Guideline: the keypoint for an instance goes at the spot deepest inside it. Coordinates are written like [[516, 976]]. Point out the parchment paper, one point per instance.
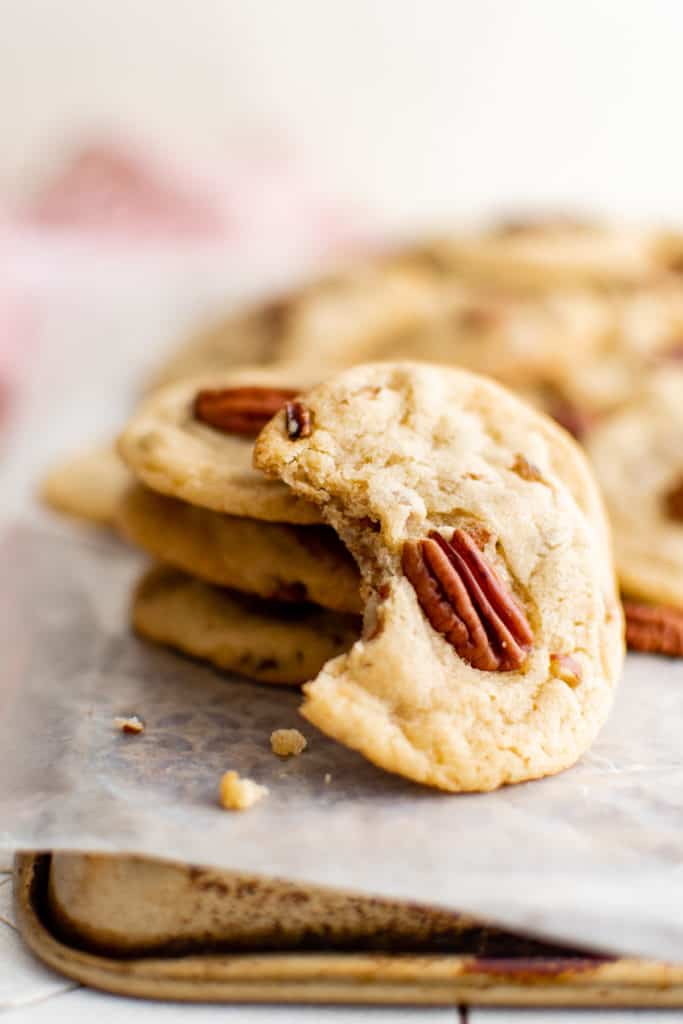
[[593, 856]]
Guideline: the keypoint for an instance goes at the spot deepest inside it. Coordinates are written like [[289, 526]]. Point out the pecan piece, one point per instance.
[[522, 467], [297, 420], [566, 668], [466, 601], [241, 410], [674, 501], [655, 629]]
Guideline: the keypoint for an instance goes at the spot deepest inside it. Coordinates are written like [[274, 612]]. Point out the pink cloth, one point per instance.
[[16, 341], [115, 204], [118, 192]]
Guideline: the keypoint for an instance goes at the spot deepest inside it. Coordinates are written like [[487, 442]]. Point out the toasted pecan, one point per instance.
[[240, 410], [673, 501], [465, 600], [654, 629]]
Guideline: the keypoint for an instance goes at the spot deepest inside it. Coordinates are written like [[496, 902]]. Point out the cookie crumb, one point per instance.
[[287, 742], [132, 725], [328, 777], [238, 794]]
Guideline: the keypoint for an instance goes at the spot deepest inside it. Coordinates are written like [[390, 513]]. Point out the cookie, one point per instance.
[[638, 459], [654, 629], [560, 251], [273, 560], [248, 337], [516, 337], [194, 440], [408, 304], [493, 636], [88, 486], [267, 641]]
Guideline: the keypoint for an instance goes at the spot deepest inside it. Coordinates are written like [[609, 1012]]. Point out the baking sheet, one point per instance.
[[593, 856]]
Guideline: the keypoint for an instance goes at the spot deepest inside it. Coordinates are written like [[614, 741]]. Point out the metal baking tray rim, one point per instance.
[[343, 978]]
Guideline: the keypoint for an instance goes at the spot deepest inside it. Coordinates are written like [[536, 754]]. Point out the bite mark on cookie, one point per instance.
[[654, 629]]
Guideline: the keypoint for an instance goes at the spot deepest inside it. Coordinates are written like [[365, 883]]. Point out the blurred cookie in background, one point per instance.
[[638, 459], [88, 486], [561, 250]]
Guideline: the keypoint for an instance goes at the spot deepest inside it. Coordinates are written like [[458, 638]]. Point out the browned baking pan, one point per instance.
[[162, 930]]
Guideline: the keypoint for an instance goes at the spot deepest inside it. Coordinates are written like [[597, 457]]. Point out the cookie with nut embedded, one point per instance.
[[638, 459], [193, 440], [269, 641], [279, 561], [493, 636]]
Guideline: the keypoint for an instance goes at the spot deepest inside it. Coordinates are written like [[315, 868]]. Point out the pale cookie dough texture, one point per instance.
[[637, 455], [397, 451], [268, 641], [274, 560], [88, 486], [171, 451]]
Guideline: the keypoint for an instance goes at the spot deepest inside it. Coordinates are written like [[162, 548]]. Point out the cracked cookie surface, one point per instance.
[[402, 453], [172, 451]]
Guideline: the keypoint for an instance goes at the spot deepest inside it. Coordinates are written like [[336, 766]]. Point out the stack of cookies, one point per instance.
[[463, 524], [584, 322], [425, 552], [250, 579]]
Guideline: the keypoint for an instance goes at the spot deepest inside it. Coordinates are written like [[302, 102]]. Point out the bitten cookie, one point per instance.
[[88, 486], [274, 560], [493, 637], [263, 640], [194, 440]]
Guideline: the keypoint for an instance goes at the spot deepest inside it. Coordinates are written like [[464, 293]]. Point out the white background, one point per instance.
[[425, 108]]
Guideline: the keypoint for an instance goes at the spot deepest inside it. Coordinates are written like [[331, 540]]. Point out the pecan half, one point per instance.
[[465, 600], [674, 501], [242, 410], [297, 421], [654, 629]]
